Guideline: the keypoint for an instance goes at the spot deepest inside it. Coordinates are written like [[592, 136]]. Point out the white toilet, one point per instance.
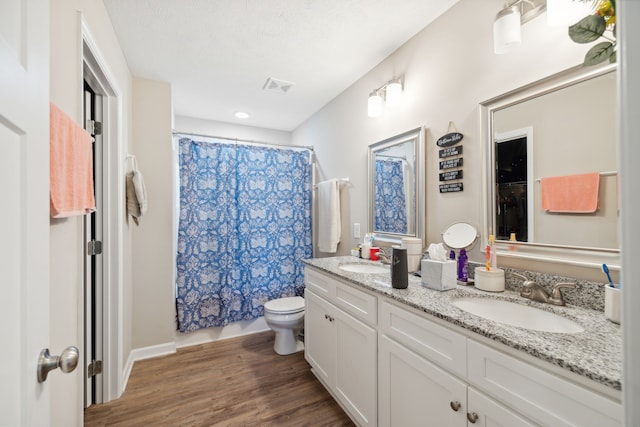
[[285, 316]]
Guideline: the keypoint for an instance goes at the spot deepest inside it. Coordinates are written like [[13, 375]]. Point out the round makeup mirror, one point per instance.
[[460, 235]]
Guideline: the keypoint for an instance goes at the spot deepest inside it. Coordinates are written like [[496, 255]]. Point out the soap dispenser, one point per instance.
[[399, 269]]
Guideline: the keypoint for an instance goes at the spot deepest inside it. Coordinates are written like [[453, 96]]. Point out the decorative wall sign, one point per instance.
[[451, 175], [451, 188], [450, 151], [453, 155], [451, 163], [449, 139]]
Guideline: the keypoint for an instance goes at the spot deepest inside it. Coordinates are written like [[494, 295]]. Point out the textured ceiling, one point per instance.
[[218, 54]]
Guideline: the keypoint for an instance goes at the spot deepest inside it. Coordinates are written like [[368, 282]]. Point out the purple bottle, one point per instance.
[[463, 266]]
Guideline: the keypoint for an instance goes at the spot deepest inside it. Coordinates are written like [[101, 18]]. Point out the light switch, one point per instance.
[[356, 230]]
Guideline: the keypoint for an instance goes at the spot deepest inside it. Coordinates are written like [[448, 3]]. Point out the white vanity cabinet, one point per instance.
[[340, 347], [417, 370], [421, 376]]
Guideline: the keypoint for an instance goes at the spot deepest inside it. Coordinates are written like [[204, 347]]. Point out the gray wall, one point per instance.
[[449, 68]]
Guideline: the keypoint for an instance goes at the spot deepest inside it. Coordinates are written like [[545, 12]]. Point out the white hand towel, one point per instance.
[[136, 192], [329, 224]]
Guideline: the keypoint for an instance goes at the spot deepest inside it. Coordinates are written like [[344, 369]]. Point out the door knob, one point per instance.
[[67, 362]]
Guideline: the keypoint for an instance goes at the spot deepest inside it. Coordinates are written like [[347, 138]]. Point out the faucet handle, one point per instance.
[[556, 294], [520, 276]]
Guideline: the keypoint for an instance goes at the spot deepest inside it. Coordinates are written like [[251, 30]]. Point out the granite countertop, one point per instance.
[[595, 353]]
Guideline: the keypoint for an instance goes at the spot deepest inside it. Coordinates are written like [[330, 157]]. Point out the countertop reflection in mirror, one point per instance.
[[559, 126], [396, 187]]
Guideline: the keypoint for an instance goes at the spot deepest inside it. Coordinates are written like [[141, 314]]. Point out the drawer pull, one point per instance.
[[455, 405], [472, 417], [329, 318]]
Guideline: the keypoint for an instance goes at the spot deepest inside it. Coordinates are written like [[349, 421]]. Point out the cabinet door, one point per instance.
[[491, 414], [414, 392], [356, 368], [320, 348]]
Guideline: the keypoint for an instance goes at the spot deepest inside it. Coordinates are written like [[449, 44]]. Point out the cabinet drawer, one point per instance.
[[437, 343], [319, 283], [536, 393], [358, 303]]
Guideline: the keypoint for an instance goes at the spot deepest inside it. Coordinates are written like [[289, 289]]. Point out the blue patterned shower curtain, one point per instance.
[[244, 227], [390, 200]]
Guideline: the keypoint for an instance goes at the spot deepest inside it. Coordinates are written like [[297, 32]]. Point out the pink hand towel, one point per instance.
[[71, 167], [571, 193]]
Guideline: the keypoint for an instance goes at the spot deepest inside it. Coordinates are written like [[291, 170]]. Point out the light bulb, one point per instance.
[[562, 13], [506, 30], [394, 92], [374, 105]]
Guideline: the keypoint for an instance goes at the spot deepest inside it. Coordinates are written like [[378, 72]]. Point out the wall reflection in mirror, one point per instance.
[[562, 126], [395, 191]]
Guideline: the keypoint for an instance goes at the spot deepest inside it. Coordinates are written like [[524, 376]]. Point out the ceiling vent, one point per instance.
[[278, 86]]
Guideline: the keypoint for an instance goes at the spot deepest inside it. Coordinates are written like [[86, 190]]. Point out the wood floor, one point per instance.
[[234, 382]]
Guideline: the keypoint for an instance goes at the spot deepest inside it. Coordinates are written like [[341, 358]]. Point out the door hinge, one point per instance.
[[94, 127], [94, 368], [94, 247]]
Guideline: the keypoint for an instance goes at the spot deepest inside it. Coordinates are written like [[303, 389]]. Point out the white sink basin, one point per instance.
[[365, 268], [514, 314]]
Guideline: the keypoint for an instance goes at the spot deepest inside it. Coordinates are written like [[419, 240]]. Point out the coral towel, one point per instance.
[[329, 224], [71, 167], [571, 193]]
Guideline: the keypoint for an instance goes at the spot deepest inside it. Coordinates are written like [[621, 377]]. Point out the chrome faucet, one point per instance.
[[384, 258], [533, 291]]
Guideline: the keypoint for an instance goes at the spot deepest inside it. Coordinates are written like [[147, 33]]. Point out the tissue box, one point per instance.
[[439, 275]]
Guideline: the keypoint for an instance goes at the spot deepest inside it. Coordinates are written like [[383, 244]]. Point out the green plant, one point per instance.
[[592, 27]]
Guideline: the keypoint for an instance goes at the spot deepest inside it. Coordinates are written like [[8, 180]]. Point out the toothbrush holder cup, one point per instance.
[[612, 303]]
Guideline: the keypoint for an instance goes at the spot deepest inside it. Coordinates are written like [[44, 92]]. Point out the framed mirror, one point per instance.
[[396, 187], [542, 139]]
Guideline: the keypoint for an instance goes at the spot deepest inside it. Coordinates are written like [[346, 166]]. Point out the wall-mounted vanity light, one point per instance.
[[506, 26], [563, 13], [389, 94]]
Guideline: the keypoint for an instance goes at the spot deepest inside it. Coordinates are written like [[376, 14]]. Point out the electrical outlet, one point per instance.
[[356, 230]]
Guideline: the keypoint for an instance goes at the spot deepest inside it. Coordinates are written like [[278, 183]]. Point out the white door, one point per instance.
[[319, 348], [356, 367], [414, 392], [488, 413], [24, 215]]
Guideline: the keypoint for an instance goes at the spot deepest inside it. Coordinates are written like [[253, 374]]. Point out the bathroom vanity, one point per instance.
[[402, 357]]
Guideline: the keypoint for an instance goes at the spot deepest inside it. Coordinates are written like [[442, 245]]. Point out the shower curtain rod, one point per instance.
[[392, 157], [308, 147]]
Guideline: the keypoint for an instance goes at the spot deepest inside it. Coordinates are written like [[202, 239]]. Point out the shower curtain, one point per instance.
[[390, 199], [244, 228]]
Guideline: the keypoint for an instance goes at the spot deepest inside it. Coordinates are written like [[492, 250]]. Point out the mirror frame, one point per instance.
[[574, 255], [417, 135]]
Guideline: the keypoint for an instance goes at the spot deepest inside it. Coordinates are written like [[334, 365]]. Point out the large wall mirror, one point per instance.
[[552, 133], [396, 187]]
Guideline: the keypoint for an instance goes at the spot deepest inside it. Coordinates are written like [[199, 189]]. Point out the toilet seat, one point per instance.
[[288, 305]]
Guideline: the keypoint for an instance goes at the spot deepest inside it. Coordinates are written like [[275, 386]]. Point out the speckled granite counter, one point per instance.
[[595, 353]]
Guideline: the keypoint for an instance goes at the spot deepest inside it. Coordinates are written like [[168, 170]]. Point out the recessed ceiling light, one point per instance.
[[241, 115]]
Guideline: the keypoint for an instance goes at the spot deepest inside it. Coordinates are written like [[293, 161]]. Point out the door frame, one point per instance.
[[95, 69]]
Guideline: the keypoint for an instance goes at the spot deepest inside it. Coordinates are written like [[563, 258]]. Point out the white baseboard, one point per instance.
[[236, 329], [201, 336], [153, 351], [145, 353]]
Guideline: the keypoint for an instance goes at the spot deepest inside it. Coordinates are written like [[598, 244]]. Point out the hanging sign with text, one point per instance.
[[449, 139], [451, 166], [451, 175], [450, 152], [451, 163], [451, 188]]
